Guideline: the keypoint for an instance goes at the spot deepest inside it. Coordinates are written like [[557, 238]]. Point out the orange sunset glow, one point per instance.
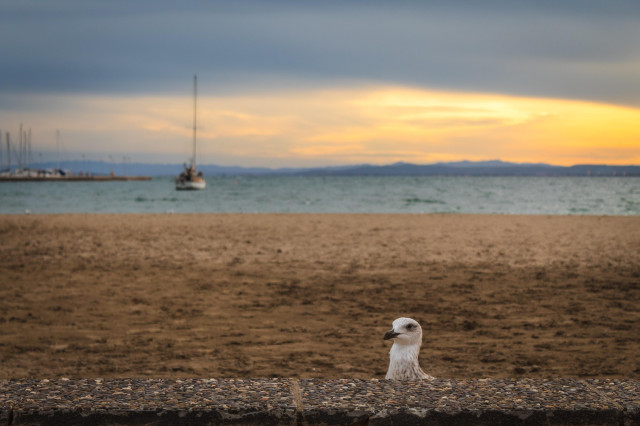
[[375, 125]]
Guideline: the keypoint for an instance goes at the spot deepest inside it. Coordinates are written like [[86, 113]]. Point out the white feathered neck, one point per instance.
[[403, 363]]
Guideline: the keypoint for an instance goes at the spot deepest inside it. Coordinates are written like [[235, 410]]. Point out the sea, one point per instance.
[[617, 196]]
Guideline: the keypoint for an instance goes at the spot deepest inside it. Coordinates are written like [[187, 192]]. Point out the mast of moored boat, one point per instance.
[[20, 160], [195, 94], [58, 150], [9, 152]]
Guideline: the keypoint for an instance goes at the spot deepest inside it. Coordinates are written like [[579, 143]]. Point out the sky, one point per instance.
[[284, 83]]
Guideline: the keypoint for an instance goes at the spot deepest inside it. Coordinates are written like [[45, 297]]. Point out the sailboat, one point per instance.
[[190, 178]]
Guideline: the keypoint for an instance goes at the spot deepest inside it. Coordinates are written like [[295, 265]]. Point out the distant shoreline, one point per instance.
[[463, 168]]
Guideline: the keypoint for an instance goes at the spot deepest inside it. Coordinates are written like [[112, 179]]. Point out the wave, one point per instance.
[[416, 200]]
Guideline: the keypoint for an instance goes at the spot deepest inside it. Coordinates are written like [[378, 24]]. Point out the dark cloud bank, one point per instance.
[[580, 49]]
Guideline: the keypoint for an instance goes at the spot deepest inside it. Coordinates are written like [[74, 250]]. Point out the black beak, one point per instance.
[[390, 335]]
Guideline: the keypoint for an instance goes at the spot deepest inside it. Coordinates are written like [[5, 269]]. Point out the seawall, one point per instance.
[[314, 401]]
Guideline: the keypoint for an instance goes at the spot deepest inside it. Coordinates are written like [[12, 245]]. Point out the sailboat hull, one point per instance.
[[190, 185]]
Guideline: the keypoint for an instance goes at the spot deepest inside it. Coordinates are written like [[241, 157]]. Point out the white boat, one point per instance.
[[190, 178]]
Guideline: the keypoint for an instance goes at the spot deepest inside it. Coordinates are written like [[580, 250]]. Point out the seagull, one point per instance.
[[403, 357]]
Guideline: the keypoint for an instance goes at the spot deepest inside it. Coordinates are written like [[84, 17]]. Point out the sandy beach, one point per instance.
[[276, 295]]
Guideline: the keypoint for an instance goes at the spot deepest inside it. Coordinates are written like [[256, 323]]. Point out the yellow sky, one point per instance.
[[376, 125]]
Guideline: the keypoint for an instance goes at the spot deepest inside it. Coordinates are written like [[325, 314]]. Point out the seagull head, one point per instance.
[[405, 331]]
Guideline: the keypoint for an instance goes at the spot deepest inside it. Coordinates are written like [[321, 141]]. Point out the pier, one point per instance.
[[74, 178]]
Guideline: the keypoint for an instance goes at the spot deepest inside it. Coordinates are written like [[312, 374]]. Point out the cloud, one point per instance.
[[312, 83], [545, 48]]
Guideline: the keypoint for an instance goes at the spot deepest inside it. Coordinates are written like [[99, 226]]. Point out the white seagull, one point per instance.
[[403, 357]]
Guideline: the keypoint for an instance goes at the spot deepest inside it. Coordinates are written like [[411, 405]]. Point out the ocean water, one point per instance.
[[289, 194]]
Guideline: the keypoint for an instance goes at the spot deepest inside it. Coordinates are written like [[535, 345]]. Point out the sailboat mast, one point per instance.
[[9, 152], [57, 151], [195, 95]]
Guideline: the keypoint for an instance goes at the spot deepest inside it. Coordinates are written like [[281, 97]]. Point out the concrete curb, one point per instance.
[[313, 401]]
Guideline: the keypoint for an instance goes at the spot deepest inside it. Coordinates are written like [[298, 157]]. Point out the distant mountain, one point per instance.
[[485, 168], [461, 168], [490, 163]]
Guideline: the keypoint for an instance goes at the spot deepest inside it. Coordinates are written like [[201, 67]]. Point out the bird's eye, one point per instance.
[[409, 326]]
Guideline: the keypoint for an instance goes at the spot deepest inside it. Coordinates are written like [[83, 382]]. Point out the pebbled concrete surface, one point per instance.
[[314, 401]]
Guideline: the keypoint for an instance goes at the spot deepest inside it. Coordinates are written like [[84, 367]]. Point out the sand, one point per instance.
[[263, 295]]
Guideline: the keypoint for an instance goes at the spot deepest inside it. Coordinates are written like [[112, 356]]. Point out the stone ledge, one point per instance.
[[313, 401]]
